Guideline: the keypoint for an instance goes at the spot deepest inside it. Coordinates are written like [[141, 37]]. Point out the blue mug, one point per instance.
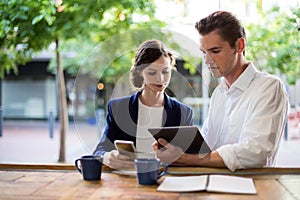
[[90, 167], [148, 170]]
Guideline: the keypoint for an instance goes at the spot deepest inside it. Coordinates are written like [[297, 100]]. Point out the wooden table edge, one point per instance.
[[254, 171], [172, 170], [6, 166]]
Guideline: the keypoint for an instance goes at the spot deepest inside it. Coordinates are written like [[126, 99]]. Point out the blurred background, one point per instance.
[[61, 62]]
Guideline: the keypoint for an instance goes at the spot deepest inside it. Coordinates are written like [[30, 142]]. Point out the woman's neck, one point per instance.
[[152, 99]]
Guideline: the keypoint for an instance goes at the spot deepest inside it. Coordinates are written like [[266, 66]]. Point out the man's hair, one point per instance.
[[225, 23]]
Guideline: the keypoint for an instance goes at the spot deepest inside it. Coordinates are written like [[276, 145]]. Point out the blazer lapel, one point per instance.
[[170, 117], [133, 107]]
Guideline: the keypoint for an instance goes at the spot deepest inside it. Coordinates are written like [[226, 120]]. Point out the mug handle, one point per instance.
[[77, 166], [165, 165]]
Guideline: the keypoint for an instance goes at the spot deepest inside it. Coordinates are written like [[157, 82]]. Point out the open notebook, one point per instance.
[[209, 183]]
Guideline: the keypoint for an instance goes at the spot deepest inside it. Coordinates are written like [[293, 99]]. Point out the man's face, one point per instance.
[[220, 58]]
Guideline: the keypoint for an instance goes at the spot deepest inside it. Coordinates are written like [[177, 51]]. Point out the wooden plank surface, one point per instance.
[[271, 189], [291, 184], [70, 185]]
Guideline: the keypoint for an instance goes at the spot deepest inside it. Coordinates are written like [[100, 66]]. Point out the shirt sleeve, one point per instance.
[[261, 133]]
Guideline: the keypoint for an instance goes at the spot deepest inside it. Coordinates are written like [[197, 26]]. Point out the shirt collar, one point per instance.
[[244, 80]]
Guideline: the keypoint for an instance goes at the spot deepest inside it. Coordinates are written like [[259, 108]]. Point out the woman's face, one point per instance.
[[157, 75]]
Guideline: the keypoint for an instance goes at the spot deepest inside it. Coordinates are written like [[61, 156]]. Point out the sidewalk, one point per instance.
[[30, 142]]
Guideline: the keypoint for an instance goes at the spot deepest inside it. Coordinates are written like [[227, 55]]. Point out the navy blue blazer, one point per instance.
[[122, 115]]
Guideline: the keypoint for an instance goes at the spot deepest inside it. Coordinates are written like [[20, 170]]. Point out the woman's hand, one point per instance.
[[169, 153], [115, 160]]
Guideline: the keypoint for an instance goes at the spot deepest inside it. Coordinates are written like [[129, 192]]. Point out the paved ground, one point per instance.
[[30, 142]]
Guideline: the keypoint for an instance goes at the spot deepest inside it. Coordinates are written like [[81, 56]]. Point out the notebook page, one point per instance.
[[231, 184], [183, 184]]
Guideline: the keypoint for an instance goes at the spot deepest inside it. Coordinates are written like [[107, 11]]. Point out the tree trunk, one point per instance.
[[63, 113]]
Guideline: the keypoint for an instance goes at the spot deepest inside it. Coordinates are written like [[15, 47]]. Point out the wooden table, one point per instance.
[[55, 183]]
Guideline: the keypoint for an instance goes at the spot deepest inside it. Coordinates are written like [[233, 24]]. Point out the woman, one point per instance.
[[130, 117]]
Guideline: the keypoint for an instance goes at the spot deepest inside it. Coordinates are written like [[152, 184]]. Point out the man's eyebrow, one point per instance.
[[210, 49], [214, 48]]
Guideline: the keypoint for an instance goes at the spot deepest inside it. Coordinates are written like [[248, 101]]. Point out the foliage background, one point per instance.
[[274, 43]]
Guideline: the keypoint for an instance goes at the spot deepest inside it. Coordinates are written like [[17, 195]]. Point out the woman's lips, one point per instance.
[[158, 86]]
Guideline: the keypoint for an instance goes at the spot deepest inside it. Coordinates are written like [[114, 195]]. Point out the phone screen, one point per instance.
[[126, 148]]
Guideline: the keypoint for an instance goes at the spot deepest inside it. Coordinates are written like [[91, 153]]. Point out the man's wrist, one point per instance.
[[186, 159]]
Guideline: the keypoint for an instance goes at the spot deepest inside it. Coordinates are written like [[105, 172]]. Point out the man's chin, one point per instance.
[[216, 74]]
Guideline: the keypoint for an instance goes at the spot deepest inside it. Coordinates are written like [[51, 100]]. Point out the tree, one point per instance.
[[18, 33], [30, 26], [274, 43]]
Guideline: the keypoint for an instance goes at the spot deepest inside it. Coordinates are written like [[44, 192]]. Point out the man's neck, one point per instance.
[[229, 80]]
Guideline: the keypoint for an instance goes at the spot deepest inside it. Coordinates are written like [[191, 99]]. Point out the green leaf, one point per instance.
[[273, 44], [37, 19]]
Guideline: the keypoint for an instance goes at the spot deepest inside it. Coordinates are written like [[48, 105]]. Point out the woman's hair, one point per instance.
[[148, 52], [226, 25]]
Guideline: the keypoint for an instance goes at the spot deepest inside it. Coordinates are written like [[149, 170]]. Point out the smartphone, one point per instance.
[[126, 148]]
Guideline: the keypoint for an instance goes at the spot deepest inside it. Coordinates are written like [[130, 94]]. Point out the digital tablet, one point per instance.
[[188, 138]]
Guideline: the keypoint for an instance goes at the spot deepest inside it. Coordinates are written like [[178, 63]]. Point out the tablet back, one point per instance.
[[188, 138]]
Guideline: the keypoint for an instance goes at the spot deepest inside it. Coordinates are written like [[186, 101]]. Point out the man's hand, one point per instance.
[[169, 153]]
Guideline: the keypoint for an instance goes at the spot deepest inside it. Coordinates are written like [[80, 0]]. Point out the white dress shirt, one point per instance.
[[246, 121]]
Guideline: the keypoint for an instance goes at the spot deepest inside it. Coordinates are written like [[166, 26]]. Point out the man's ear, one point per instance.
[[240, 45]]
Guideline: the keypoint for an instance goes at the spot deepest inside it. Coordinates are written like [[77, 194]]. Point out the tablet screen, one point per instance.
[[188, 138]]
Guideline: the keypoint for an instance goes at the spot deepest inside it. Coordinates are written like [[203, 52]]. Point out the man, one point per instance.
[[248, 110]]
